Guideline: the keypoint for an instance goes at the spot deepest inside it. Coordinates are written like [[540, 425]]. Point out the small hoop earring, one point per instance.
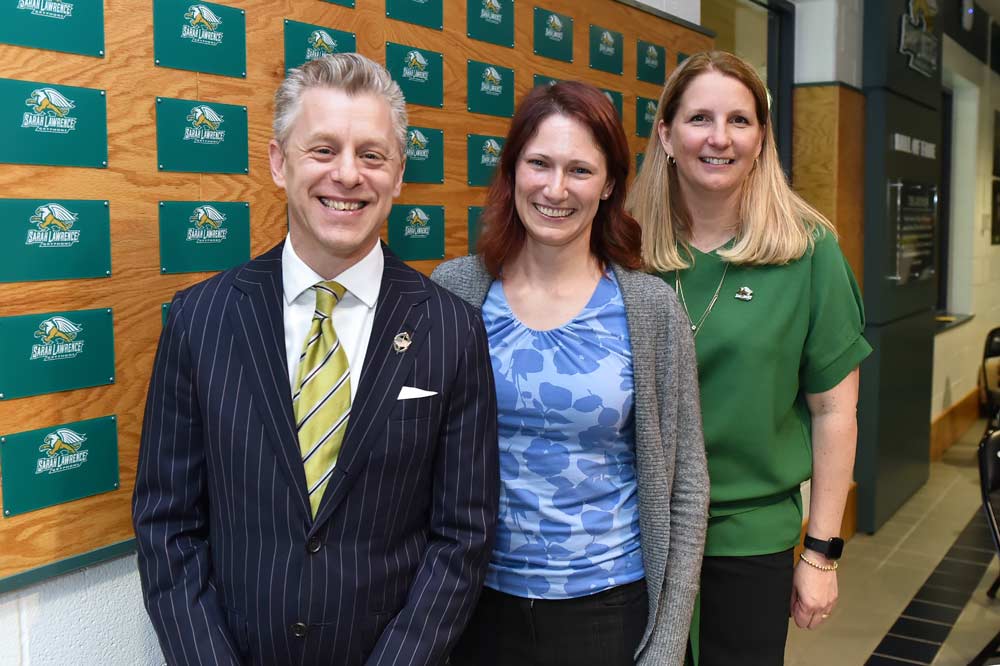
[[670, 160]]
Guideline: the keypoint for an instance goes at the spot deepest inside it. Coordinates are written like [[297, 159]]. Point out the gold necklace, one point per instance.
[[696, 327]]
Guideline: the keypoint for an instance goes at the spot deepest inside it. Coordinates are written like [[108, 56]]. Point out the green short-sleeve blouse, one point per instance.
[[794, 329]]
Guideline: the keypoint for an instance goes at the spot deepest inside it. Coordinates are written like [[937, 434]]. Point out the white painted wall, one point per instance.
[[828, 41], [689, 10], [974, 275], [93, 616]]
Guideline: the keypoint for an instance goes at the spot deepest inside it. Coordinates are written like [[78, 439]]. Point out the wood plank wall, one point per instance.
[[133, 185]]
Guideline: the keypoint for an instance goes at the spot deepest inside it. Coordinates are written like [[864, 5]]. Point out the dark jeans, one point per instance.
[[744, 609], [602, 629]]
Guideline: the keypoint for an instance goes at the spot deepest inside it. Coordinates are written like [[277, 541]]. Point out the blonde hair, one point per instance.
[[352, 73], [776, 225]]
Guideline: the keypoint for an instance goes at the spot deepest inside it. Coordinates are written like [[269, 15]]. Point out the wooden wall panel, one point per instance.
[[133, 185]]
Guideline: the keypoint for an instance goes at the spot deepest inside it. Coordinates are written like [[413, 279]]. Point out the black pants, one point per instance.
[[744, 609], [602, 629]]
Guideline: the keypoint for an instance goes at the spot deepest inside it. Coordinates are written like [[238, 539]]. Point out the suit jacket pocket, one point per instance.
[[416, 408], [237, 625]]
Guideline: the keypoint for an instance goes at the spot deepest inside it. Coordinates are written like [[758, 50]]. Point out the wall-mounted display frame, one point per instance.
[[70, 27], [482, 157], [553, 35], [490, 21], [424, 155], [617, 99], [650, 62], [490, 89], [416, 232], [308, 41], [197, 236], [428, 13], [203, 37], [606, 49], [474, 226], [419, 73], [645, 115], [201, 137]]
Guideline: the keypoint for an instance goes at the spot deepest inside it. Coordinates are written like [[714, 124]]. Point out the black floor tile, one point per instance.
[[964, 570], [964, 584], [924, 611], [941, 596], [928, 631], [878, 660], [971, 554], [908, 649]]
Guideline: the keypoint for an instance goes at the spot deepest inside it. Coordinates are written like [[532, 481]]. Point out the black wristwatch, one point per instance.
[[831, 549]]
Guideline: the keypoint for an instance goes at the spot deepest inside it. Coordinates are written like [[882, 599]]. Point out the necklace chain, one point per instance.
[[696, 327]]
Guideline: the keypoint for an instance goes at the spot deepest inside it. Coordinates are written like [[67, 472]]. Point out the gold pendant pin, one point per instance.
[[744, 294], [401, 342]]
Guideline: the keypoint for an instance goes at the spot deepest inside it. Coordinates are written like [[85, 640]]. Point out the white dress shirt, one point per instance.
[[352, 317]]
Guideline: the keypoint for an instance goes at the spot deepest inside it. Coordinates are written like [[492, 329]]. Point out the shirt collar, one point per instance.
[[363, 279]]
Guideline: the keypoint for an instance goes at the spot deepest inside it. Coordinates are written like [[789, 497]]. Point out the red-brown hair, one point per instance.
[[615, 236]]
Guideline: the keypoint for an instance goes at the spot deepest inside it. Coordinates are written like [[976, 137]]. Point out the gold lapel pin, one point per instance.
[[744, 294], [401, 342]]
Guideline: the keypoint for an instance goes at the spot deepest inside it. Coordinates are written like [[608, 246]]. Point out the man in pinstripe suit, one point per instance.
[[381, 560]]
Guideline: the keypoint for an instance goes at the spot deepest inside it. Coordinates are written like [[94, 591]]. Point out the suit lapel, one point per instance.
[[383, 374], [258, 320]]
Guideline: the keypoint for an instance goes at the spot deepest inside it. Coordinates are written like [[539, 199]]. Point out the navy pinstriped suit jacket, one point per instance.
[[234, 569]]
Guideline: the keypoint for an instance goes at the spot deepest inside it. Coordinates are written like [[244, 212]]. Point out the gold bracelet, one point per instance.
[[817, 565]]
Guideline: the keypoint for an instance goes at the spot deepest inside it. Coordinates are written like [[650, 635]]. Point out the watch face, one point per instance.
[[835, 548], [831, 548]]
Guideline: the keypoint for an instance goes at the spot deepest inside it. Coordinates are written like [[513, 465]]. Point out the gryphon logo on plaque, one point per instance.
[[202, 26], [56, 9], [652, 57], [492, 82], [492, 12], [54, 224], [554, 28], [320, 44], [205, 124], [58, 337], [416, 224], [650, 114], [491, 153], [607, 44], [63, 451], [415, 67], [49, 112], [207, 221], [417, 146]]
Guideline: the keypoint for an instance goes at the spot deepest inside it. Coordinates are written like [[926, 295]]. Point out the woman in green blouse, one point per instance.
[[778, 322]]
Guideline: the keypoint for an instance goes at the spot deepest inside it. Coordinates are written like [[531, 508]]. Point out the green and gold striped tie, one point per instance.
[[322, 399]]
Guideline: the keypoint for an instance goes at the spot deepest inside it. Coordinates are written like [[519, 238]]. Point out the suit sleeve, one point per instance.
[[170, 511], [463, 515]]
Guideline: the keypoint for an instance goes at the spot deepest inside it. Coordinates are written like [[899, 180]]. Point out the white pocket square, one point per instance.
[[410, 392]]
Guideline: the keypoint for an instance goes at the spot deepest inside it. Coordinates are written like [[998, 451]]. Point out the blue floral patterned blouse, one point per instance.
[[569, 521]]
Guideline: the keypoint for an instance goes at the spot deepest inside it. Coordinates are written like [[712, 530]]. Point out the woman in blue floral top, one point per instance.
[[604, 490]]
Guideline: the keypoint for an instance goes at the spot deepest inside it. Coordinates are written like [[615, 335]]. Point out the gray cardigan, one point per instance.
[[670, 452]]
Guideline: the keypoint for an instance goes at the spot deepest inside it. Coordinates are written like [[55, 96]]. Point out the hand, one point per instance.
[[814, 592]]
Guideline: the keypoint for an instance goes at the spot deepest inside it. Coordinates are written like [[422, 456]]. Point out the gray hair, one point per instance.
[[352, 73]]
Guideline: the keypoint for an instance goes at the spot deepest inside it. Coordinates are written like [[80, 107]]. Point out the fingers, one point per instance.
[[809, 618]]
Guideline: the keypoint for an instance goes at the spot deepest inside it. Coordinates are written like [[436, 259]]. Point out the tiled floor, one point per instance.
[[881, 573]]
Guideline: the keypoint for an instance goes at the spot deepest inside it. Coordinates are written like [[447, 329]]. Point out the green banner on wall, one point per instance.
[[475, 228], [490, 89], [606, 49], [645, 115], [56, 351], [553, 35], [54, 239], [424, 155], [55, 25], [651, 62], [58, 464], [305, 42], [490, 21], [201, 137], [482, 157], [616, 99], [417, 232], [200, 236], [427, 13], [202, 37], [53, 124], [342, 3], [419, 72]]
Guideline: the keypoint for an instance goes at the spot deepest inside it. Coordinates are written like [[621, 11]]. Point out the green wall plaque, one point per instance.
[[490, 89], [651, 62], [56, 25], [490, 21], [417, 232], [54, 239], [305, 42], [427, 13], [342, 3], [164, 311], [475, 228], [53, 124], [58, 464], [56, 351], [424, 155], [606, 49], [616, 99], [202, 37], [639, 159], [418, 72], [201, 137], [553, 35], [645, 115], [543, 80], [482, 157], [200, 236], [681, 57]]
